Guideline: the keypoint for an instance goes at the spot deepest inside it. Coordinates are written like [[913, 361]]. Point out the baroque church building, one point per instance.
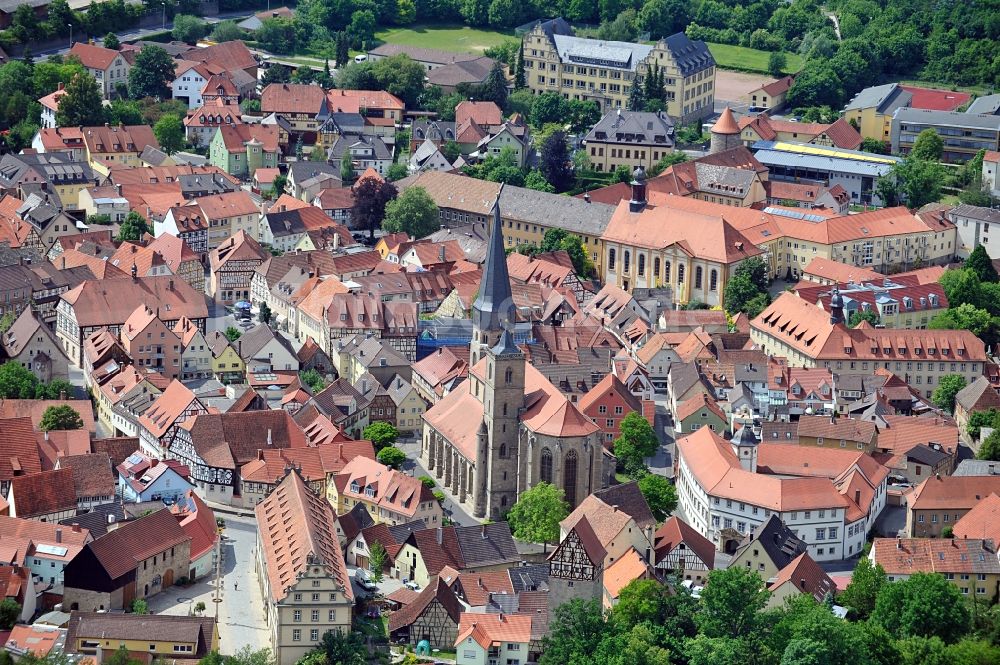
[[508, 428]]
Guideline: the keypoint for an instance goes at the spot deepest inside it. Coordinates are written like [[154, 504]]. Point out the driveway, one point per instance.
[[241, 612]]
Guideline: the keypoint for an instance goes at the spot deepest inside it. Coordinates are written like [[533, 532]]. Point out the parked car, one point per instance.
[[364, 581]]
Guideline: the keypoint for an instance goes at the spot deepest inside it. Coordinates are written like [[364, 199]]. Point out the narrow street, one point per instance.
[[452, 509]]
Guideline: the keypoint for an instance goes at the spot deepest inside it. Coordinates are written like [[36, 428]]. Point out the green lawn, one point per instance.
[[446, 38], [745, 59]]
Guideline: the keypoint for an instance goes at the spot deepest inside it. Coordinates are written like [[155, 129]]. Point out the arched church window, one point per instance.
[[546, 466], [569, 477], [508, 376], [611, 259], [697, 277], [503, 450], [642, 264]]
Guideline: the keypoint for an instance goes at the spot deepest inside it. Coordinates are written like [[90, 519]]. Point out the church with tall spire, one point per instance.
[[507, 428]]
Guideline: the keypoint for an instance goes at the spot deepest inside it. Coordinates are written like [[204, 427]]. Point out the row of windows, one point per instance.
[[331, 615]]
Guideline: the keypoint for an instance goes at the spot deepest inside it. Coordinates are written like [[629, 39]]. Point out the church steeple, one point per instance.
[[493, 310]]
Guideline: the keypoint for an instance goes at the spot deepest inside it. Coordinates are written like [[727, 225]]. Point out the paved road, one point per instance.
[[663, 462], [141, 33], [241, 612], [452, 509]]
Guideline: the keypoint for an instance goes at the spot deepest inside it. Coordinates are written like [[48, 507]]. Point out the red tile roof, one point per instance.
[[953, 492], [18, 450], [676, 531], [198, 522], [490, 629], [936, 100], [122, 549], [806, 576], [42, 493], [982, 521], [93, 56]]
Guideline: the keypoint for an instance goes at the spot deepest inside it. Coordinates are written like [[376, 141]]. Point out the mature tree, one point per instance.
[[862, 592], [169, 131], [188, 28], [264, 314], [16, 381], [913, 181], [639, 645], [226, 31], [520, 79], [60, 417], [668, 160], [741, 295], [536, 181], [962, 286], [967, 317], [929, 146], [582, 115], [343, 648], [275, 73], [232, 333], [548, 107], [414, 212], [980, 263], [558, 239], [662, 18], [111, 41], [121, 655], [989, 449], [391, 456], [636, 96], [556, 164], [923, 605], [575, 635], [124, 112], [371, 196], [944, 395], [755, 270], [536, 515], [151, 74], [858, 316], [730, 603], [140, 606], [451, 151], [377, 559], [381, 434], [347, 173], [81, 105], [659, 494], [133, 228], [247, 655], [398, 74], [875, 146], [704, 650], [494, 88], [10, 612], [636, 442], [313, 379], [776, 63], [8, 319], [396, 172]]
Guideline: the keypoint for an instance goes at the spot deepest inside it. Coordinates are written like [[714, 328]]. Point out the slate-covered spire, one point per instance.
[[494, 306]]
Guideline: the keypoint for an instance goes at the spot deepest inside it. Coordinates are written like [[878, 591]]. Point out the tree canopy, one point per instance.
[[382, 434], [536, 515], [414, 212], [81, 105], [151, 74], [60, 417], [944, 395]]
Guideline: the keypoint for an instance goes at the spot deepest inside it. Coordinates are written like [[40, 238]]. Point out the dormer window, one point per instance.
[[370, 492], [355, 487]]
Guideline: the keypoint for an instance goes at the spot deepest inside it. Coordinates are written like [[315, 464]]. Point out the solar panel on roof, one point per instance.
[[54, 550]]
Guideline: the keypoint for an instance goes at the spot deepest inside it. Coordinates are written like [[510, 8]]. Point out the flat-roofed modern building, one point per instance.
[[963, 134], [853, 170]]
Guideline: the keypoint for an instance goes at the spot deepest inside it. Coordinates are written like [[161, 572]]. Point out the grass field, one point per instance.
[[745, 59], [447, 38]]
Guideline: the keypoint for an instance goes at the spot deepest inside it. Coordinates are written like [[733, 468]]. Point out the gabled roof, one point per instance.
[[91, 474], [676, 531], [806, 576], [18, 450], [979, 395], [296, 525], [93, 56], [43, 493], [122, 549], [490, 629], [437, 590], [982, 520], [167, 408]]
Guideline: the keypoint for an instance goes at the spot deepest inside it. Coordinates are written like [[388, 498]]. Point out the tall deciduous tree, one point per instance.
[[556, 164], [928, 146], [60, 417], [989, 449], [575, 635], [980, 263], [371, 196], [376, 561], [944, 395], [152, 73], [636, 442], [10, 612], [81, 105], [923, 605], [659, 494], [864, 588], [133, 228], [111, 41], [536, 515], [731, 602], [381, 434], [414, 212], [169, 131]]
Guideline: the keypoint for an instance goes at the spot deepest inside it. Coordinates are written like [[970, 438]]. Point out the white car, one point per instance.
[[411, 585], [364, 581]]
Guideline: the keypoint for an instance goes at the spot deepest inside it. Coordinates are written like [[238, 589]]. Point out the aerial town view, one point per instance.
[[499, 332]]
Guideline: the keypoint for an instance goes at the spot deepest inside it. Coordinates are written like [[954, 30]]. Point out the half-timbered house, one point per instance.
[[432, 616], [215, 445], [683, 552], [576, 566], [158, 425]]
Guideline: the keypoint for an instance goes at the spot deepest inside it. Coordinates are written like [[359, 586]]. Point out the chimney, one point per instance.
[[58, 535], [269, 436], [46, 435], [76, 528], [111, 518], [899, 543], [440, 536], [483, 532]]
